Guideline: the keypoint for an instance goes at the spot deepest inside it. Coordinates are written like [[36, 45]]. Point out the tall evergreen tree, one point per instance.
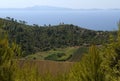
[[89, 68], [8, 53], [111, 58]]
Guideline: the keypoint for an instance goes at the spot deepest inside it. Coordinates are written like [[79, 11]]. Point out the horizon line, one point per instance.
[[60, 7]]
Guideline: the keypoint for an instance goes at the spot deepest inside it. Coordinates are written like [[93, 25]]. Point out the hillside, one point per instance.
[[34, 38]]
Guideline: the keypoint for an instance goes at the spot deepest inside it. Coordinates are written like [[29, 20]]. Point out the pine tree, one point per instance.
[[8, 54], [89, 68], [111, 58]]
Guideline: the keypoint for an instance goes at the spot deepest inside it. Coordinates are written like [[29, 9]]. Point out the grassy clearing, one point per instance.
[[60, 54]]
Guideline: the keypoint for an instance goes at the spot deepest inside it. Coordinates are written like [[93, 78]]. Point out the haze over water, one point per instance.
[[91, 19]]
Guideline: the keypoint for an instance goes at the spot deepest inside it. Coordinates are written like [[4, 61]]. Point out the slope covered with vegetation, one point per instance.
[[34, 38], [98, 64]]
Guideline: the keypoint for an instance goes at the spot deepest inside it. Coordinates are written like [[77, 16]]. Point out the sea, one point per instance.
[[105, 20]]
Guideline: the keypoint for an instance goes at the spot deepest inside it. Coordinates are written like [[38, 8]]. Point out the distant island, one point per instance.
[[51, 8]]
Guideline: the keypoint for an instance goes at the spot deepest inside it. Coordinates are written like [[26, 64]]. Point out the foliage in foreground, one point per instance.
[[8, 52], [89, 68]]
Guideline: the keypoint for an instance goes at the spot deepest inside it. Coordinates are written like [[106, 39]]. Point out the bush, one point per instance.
[[55, 56]]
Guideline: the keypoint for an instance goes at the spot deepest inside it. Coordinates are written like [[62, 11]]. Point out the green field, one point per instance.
[[60, 54]]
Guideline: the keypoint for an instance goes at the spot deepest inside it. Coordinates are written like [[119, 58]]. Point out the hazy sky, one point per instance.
[[78, 4]]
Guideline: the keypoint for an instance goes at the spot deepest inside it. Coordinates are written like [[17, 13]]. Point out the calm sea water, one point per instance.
[[96, 19]]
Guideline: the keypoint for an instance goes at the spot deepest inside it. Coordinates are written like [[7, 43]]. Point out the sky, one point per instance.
[[74, 4]]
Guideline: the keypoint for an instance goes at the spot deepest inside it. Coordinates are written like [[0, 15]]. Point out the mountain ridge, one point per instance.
[[54, 8]]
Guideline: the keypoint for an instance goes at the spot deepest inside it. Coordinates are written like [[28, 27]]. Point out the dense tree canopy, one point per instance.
[[39, 38]]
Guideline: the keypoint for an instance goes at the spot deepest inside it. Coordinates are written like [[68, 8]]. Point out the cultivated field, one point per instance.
[[52, 67]]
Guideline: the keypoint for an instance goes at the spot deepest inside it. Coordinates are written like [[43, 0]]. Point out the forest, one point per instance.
[[35, 38], [17, 39]]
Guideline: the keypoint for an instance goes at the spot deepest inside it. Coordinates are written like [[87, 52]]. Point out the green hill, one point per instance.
[[34, 38]]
